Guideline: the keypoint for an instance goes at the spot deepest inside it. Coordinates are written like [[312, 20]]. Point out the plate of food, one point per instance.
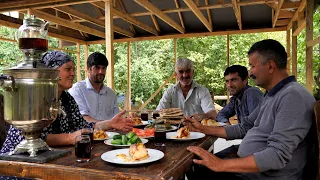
[[167, 127], [125, 140], [101, 135], [138, 122], [136, 154], [183, 134], [144, 133], [212, 122]]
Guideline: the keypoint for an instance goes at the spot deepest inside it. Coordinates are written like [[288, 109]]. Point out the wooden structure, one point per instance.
[[85, 22], [176, 162]]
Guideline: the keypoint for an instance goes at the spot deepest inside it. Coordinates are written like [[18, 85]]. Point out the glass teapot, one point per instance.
[[33, 34]]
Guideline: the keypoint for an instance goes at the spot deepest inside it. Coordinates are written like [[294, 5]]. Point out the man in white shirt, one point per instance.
[[95, 100], [188, 95]]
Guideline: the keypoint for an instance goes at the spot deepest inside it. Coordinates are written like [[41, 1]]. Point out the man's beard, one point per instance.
[[97, 79]]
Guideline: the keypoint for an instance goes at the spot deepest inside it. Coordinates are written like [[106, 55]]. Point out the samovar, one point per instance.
[[30, 88]]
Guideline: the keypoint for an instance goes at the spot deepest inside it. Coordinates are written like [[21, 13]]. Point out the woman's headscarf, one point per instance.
[[55, 59]]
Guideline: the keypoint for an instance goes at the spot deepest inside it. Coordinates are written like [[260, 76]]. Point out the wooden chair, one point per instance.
[[313, 138]]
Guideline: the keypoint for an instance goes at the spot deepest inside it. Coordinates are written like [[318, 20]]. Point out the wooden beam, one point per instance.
[[20, 5], [208, 12], [237, 12], [312, 43], [296, 14], [273, 5], [198, 13], [123, 31], [275, 17], [109, 42], [99, 5], [288, 37], [134, 21], [228, 62], [294, 51], [155, 93], [154, 20], [150, 7], [125, 11], [290, 5], [309, 37], [78, 63], [67, 23], [301, 26], [179, 14], [189, 35], [283, 22], [128, 93]]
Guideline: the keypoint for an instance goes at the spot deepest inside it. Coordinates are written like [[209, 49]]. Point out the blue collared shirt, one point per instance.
[[242, 104], [98, 105], [197, 101]]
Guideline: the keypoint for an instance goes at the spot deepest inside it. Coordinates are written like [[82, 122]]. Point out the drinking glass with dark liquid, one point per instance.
[[155, 115], [83, 148], [89, 132], [144, 116], [160, 135]]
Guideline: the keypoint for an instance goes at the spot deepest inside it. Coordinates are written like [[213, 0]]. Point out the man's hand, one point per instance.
[[193, 124], [72, 136], [207, 159], [120, 123]]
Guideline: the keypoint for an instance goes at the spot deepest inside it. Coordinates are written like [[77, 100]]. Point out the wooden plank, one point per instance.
[[290, 5], [150, 7], [228, 63], [282, 22], [237, 12], [86, 54], [125, 11], [312, 43], [134, 21], [288, 37], [275, 17], [66, 23], [208, 12], [109, 42], [78, 63], [294, 51], [301, 26], [295, 16], [285, 14], [175, 55], [179, 14], [309, 37], [157, 91], [154, 20], [198, 13], [20, 5], [128, 93], [122, 31], [8, 40]]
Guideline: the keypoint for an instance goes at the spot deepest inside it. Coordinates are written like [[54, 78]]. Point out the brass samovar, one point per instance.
[[30, 88]]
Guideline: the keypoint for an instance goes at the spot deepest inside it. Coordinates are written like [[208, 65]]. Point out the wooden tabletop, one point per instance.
[[176, 162]]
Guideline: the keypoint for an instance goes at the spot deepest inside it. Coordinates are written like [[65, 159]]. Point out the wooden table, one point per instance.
[[176, 162]]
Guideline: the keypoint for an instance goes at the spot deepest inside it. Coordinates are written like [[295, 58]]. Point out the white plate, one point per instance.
[[110, 156], [193, 135], [144, 123], [110, 136], [108, 142]]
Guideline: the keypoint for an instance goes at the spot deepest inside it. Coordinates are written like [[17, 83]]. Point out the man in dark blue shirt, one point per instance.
[[244, 98]]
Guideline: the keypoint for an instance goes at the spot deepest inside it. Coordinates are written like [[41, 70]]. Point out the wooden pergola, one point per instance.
[[85, 22]]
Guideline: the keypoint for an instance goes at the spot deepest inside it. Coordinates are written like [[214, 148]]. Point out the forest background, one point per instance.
[[152, 62]]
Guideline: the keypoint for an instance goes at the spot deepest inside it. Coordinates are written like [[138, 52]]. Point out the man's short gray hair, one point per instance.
[[184, 63]]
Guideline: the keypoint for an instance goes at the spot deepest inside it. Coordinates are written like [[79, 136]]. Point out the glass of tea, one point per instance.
[[83, 148], [89, 132], [160, 135], [155, 114]]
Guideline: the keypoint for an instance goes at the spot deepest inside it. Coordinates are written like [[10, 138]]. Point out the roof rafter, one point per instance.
[[134, 21], [275, 17], [295, 16], [179, 13], [125, 11], [198, 13], [237, 12], [208, 12], [155, 22], [150, 7]]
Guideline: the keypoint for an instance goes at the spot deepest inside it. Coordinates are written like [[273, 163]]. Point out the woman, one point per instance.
[[64, 129]]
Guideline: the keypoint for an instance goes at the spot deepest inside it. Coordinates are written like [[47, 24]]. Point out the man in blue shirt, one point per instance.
[[95, 100], [244, 98]]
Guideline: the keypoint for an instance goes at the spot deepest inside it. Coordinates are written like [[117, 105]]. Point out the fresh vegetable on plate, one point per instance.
[[127, 139]]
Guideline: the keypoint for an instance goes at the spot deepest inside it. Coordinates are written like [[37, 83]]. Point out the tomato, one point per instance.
[[143, 132]]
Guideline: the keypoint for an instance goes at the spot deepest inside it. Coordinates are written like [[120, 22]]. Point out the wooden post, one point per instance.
[[60, 43], [288, 50], [78, 63], [309, 37], [294, 51], [109, 42], [86, 54], [128, 93], [228, 62], [175, 54]]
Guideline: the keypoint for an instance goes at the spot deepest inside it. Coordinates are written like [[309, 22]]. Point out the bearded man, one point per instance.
[[192, 98], [95, 100]]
